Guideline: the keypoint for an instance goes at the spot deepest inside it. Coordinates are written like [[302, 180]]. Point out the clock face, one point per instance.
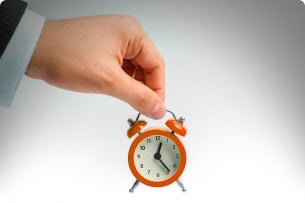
[[157, 158]]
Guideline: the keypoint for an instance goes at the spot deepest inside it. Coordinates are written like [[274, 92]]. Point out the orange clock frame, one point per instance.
[[145, 134]]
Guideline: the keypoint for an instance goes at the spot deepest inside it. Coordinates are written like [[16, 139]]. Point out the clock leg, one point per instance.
[[179, 182], [135, 184]]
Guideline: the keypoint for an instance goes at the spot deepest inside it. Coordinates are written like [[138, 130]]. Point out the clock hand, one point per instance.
[[159, 148], [168, 171], [157, 156]]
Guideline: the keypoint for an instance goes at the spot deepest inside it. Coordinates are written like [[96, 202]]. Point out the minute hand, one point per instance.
[[168, 171]]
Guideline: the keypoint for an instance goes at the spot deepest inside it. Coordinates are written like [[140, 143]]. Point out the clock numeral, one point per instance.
[[174, 165], [148, 171], [148, 140], [174, 146], [157, 137], [141, 165], [142, 147], [138, 156], [158, 174], [177, 156]]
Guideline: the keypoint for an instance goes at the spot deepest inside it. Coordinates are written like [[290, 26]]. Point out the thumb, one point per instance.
[[140, 97]]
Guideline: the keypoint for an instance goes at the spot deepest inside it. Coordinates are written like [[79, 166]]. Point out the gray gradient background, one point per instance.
[[235, 70]]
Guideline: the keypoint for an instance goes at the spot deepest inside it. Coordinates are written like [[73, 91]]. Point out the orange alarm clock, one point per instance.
[[156, 156]]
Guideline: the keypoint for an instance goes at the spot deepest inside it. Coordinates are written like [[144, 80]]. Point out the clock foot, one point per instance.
[[135, 184], [179, 182]]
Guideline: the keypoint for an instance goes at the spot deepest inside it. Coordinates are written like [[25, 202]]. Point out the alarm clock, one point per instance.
[[156, 156]]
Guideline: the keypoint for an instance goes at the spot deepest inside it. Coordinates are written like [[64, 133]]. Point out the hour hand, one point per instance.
[[157, 155], [159, 148]]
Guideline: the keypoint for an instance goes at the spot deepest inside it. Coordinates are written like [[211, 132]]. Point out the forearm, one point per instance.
[[17, 54]]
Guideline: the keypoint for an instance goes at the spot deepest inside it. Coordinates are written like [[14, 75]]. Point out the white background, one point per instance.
[[235, 71]]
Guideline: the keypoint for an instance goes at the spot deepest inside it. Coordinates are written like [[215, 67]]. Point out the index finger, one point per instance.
[[152, 64]]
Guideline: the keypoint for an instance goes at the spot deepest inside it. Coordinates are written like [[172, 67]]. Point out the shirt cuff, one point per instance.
[[17, 55]]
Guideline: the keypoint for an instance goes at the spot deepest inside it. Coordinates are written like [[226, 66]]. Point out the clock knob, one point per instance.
[[135, 127], [176, 126]]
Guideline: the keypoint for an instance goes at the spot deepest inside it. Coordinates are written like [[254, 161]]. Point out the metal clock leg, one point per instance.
[[179, 182], [135, 184]]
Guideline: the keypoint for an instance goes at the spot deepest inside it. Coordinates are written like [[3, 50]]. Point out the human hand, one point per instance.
[[107, 54]]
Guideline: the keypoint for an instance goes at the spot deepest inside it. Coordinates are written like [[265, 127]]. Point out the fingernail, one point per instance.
[[158, 112]]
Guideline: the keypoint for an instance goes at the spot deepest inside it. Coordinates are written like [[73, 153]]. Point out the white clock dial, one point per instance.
[[157, 158]]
